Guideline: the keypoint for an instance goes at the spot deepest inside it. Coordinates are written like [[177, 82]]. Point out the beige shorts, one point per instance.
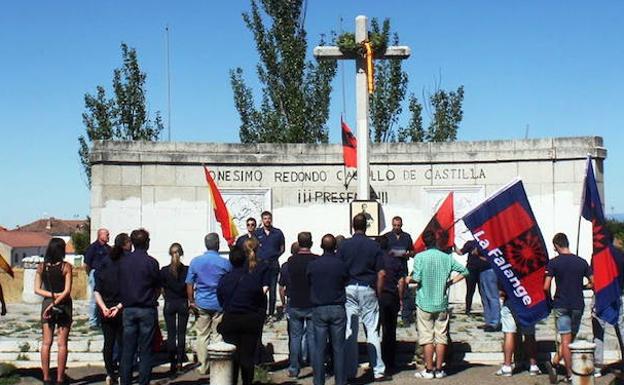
[[432, 327]]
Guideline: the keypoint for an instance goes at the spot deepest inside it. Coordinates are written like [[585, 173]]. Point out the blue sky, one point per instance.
[[557, 66]]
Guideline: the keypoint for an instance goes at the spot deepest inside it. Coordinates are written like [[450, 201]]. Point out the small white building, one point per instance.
[[17, 245]]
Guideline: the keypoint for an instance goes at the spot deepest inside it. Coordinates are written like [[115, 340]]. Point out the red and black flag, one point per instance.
[[506, 231], [349, 145], [443, 224], [605, 257]]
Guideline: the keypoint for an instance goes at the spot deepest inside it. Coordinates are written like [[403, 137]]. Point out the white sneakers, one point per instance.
[[597, 372], [504, 371], [507, 371], [429, 375]]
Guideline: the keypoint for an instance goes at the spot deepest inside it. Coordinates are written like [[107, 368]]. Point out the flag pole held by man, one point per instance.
[[228, 228], [607, 285]]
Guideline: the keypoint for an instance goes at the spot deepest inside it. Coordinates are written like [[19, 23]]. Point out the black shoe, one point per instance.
[[552, 373], [492, 328], [383, 378]]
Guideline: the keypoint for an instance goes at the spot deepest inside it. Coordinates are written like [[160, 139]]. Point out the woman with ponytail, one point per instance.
[[176, 311], [255, 267], [109, 302]]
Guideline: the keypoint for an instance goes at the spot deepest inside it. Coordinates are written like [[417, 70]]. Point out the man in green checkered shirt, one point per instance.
[[432, 272]]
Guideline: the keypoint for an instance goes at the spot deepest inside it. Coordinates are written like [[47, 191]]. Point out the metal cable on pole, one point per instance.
[[168, 84]]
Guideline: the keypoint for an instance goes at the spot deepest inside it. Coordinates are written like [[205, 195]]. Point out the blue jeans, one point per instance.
[[299, 323], [329, 322], [139, 327], [94, 314], [362, 303], [488, 285], [568, 320], [409, 305]]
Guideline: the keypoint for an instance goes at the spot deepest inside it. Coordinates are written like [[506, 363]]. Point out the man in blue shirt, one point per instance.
[[568, 270], [272, 245], [328, 276], [364, 261], [139, 288], [95, 255], [202, 281]]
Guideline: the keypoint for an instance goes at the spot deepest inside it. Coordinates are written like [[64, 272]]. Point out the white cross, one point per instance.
[[361, 95]]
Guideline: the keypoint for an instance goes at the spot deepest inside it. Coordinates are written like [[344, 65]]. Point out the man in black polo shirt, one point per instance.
[[272, 245], [139, 288], [328, 276], [251, 230], [390, 302], [299, 305], [364, 260], [568, 271], [401, 245]]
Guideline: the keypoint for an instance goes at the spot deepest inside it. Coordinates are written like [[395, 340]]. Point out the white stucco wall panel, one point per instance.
[[161, 186]]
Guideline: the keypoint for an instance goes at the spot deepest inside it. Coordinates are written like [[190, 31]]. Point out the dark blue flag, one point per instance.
[[506, 230], [606, 260]]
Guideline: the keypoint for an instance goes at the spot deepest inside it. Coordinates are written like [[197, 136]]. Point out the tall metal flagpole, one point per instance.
[[168, 84], [344, 114], [344, 97], [578, 229]]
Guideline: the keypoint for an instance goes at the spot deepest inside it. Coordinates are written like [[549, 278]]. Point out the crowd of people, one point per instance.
[[358, 280]]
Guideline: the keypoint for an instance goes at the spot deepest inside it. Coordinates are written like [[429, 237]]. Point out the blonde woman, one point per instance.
[[258, 268], [176, 311], [53, 281]]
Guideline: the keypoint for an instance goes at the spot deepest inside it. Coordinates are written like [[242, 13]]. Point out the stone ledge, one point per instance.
[[181, 153]]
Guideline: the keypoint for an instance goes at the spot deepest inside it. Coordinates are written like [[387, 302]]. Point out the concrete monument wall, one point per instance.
[[161, 186]]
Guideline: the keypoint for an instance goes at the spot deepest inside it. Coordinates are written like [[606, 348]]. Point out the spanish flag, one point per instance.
[[6, 267], [228, 228]]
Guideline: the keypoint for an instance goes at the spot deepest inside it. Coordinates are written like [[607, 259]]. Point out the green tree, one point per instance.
[[81, 238], [386, 102], [123, 117], [447, 115], [616, 228], [414, 132], [390, 87], [295, 93]]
